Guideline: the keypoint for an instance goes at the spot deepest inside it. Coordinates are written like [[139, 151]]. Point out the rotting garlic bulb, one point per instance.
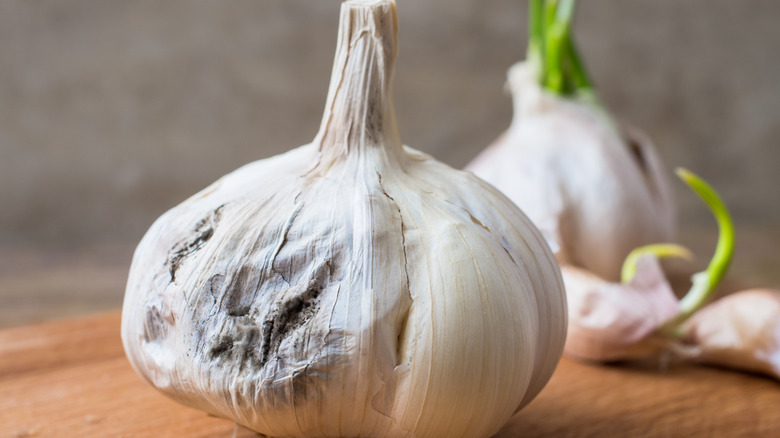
[[349, 287], [740, 331], [596, 190]]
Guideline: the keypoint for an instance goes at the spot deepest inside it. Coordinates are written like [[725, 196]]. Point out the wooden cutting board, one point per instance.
[[71, 379]]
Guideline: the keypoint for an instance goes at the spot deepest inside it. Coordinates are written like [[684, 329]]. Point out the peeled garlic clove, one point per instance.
[[614, 321], [350, 287], [595, 190], [740, 331]]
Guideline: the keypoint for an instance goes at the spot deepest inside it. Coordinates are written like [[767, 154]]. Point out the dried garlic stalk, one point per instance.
[[349, 287]]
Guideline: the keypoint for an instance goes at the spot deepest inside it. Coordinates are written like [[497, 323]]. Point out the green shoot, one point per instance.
[[660, 250], [579, 75], [551, 49], [536, 37], [704, 283], [556, 30]]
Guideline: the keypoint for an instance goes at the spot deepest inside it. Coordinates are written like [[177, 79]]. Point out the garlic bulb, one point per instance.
[[595, 189], [740, 331], [349, 287], [594, 192]]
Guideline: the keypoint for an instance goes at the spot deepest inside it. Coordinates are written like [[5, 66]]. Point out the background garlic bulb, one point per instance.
[[597, 190], [352, 286]]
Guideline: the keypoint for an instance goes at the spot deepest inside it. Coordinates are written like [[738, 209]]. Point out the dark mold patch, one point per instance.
[[283, 320], [241, 294], [204, 301], [221, 347], [155, 326], [238, 344], [203, 231], [263, 339]]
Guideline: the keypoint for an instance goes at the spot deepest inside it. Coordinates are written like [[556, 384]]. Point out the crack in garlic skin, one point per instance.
[[595, 190], [350, 287]]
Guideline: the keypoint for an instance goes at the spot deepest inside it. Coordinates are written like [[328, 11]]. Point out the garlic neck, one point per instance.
[[359, 114], [529, 98], [527, 95]]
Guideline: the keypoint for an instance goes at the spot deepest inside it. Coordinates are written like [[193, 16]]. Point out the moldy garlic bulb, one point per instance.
[[349, 287], [595, 189]]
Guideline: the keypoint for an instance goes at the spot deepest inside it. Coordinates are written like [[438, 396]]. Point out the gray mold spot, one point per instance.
[[247, 338], [242, 292], [288, 316], [155, 327], [237, 344], [202, 232]]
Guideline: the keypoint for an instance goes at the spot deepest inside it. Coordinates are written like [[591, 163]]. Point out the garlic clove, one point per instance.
[[740, 331], [350, 287], [614, 321]]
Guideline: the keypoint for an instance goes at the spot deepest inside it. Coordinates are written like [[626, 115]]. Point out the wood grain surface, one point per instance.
[[71, 379]]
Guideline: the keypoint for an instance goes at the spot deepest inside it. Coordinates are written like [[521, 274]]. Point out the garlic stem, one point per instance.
[[554, 76], [536, 37], [579, 75], [551, 48], [359, 110], [660, 250], [704, 283]]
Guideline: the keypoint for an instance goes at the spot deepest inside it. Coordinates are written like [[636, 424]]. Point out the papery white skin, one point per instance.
[[352, 286], [613, 321], [596, 191], [740, 331]]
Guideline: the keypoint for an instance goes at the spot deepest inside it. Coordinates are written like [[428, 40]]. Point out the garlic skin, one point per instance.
[[614, 321], [349, 287], [595, 190], [740, 331]]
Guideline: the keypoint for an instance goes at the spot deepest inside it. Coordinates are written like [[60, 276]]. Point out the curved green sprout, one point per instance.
[[704, 283], [660, 250]]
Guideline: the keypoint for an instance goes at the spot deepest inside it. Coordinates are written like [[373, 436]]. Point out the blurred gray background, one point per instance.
[[113, 112]]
